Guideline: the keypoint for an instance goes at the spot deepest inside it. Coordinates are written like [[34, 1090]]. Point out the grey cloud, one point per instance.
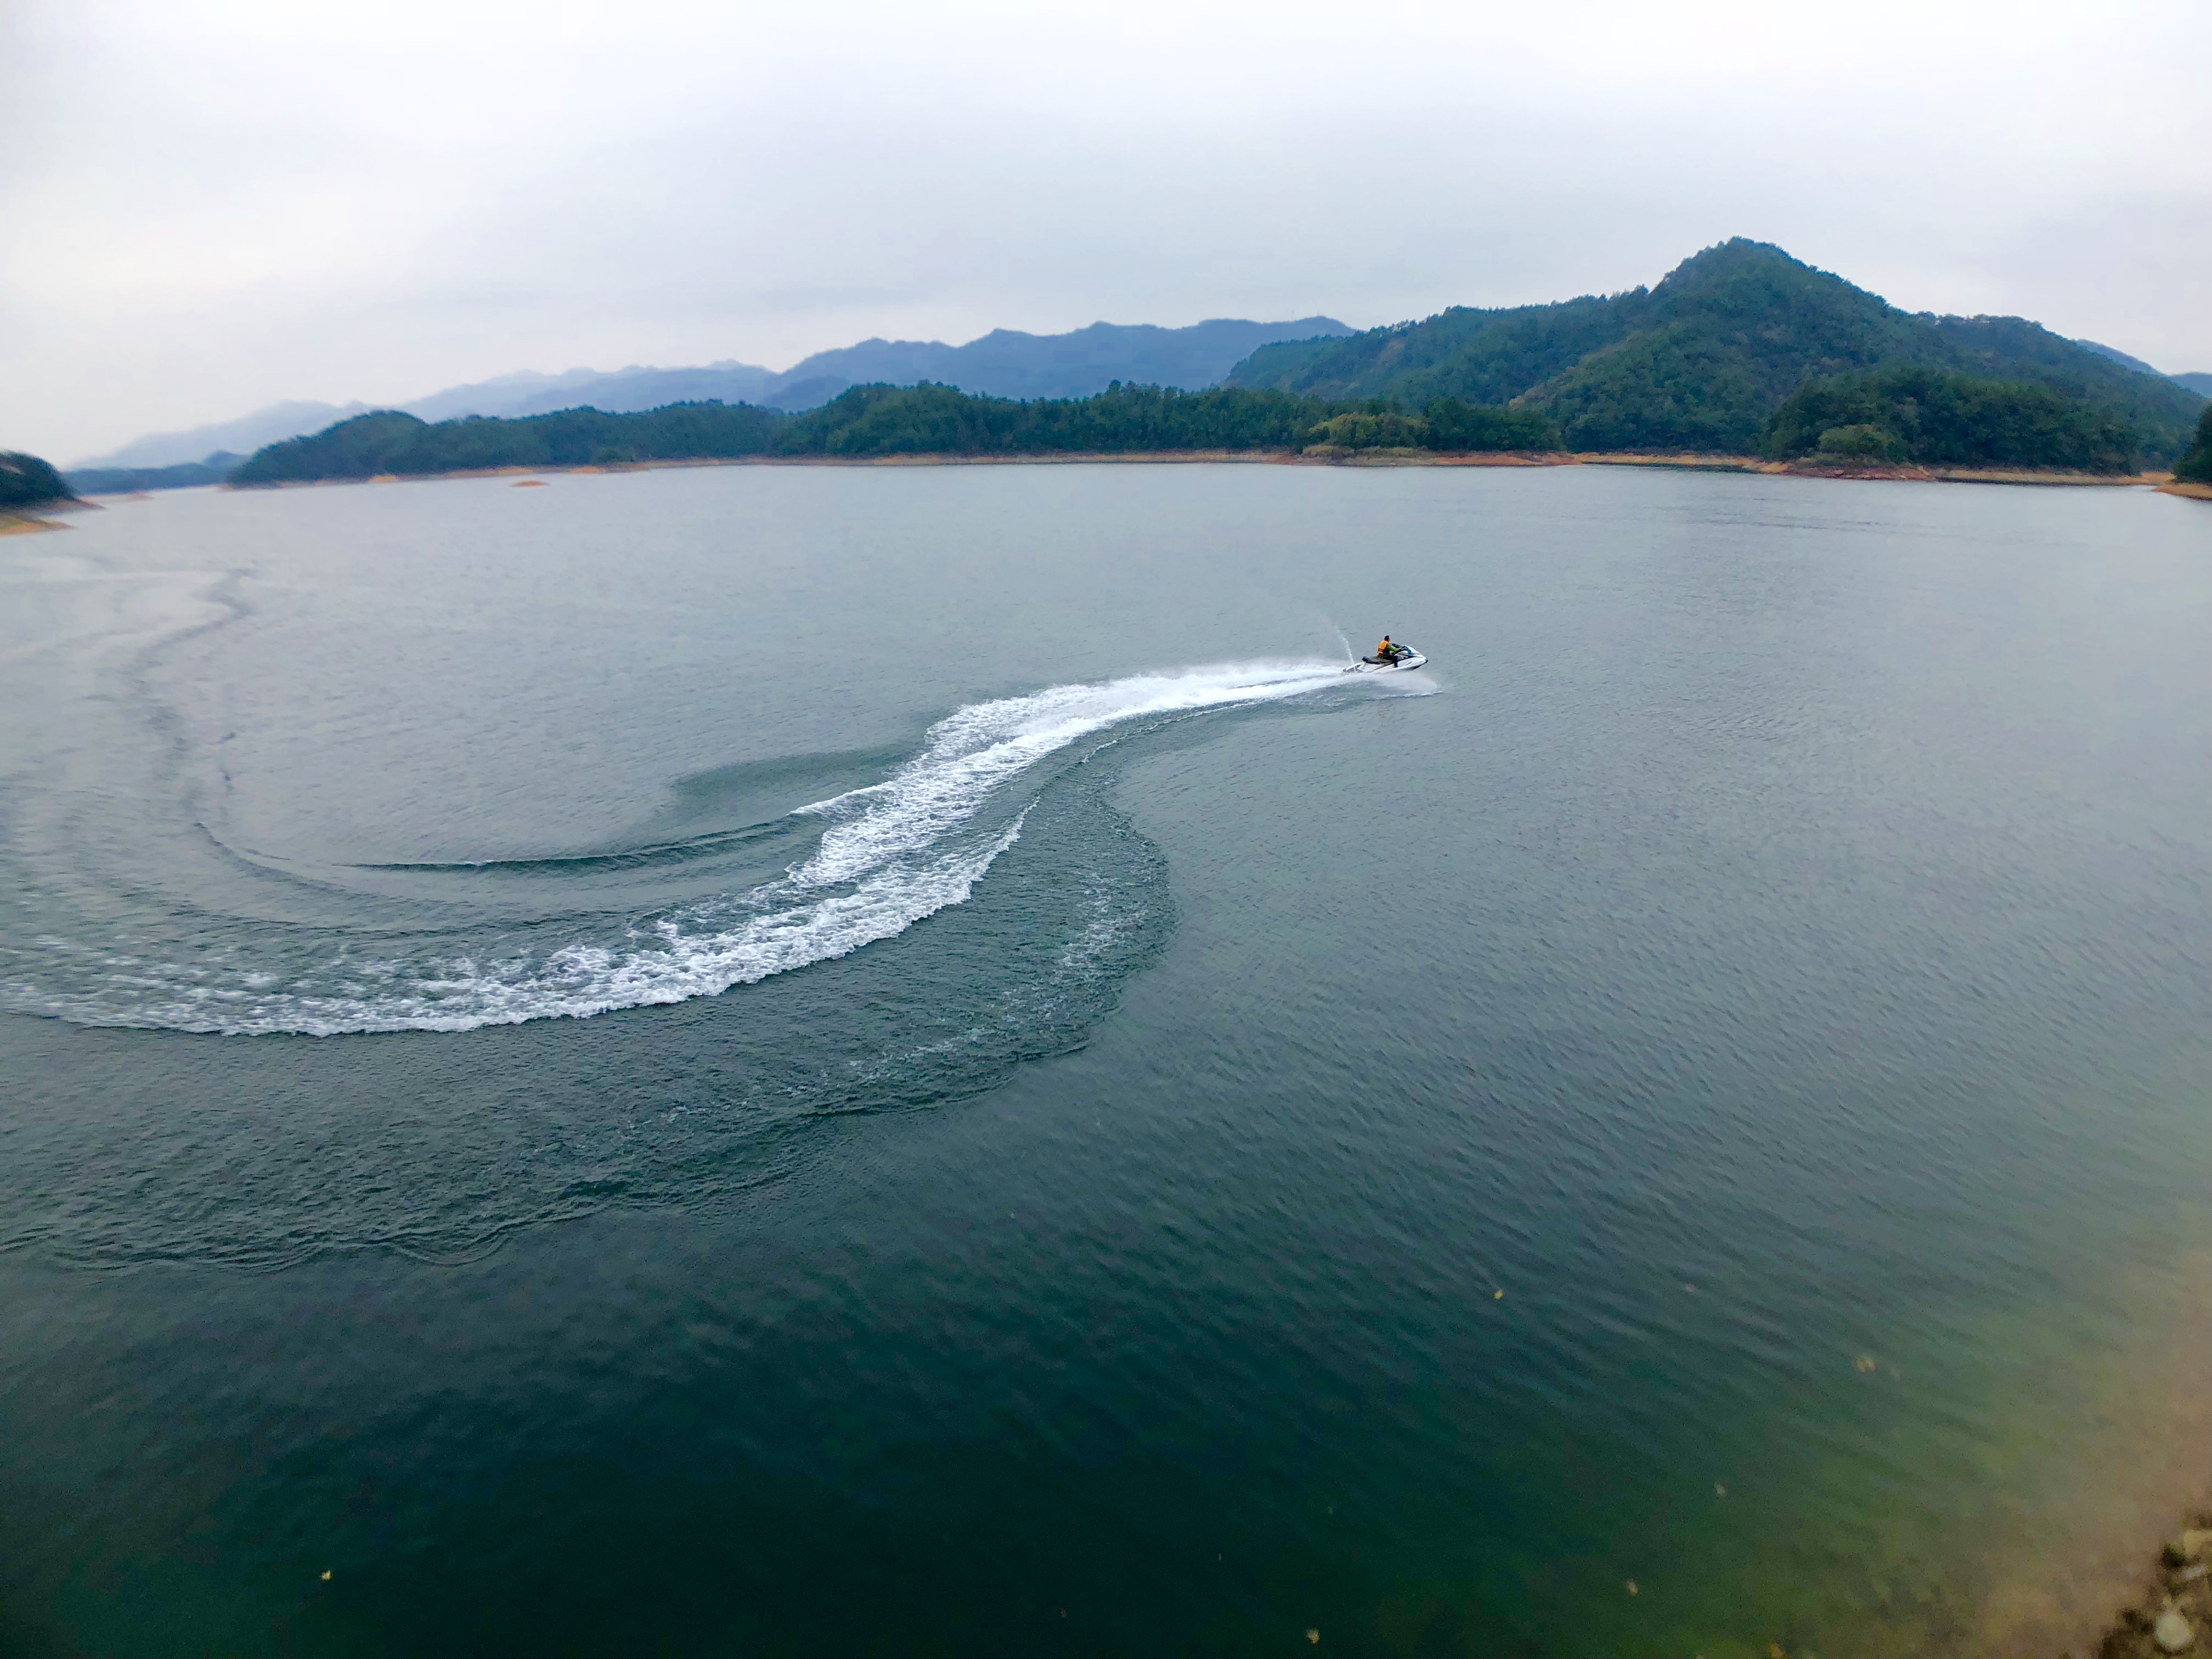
[[225, 205]]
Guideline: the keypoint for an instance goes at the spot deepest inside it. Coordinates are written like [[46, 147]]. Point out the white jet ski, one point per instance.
[[1407, 659]]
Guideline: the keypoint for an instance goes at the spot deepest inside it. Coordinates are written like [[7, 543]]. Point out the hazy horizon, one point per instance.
[[221, 206], [586, 372]]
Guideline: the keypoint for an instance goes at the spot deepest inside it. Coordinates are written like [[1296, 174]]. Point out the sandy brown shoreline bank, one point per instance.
[[2004, 474], [1319, 457], [14, 523]]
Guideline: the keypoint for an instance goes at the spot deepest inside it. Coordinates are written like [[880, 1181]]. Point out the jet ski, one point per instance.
[[1407, 659]]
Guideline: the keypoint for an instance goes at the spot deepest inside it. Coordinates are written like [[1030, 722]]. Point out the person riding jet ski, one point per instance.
[[1386, 653]]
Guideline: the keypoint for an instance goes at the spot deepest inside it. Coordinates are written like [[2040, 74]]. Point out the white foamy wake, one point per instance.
[[895, 853], [973, 751]]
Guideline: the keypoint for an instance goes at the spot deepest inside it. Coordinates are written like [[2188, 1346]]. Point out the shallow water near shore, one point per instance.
[[804, 1060]]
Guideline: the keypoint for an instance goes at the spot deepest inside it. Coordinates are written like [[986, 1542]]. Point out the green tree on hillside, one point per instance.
[[2195, 466], [1865, 442], [1388, 430], [1943, 419], [1454, 425]]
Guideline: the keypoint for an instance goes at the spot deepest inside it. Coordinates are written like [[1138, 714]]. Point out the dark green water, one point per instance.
[[809, 1061]]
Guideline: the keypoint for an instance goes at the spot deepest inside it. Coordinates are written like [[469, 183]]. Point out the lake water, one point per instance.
[[892, 1061]]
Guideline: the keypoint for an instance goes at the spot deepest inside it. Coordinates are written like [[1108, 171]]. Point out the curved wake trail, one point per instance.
[[894, 853]]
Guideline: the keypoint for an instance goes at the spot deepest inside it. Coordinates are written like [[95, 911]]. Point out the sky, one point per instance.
[[215, 205]]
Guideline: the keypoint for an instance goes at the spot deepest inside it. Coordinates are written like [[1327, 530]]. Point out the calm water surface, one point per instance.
[[892, 1061]]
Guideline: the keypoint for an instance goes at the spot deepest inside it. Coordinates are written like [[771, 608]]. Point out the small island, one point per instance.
[[29, 486]]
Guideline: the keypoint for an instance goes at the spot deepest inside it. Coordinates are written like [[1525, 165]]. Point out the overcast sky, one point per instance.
[[208, 205]]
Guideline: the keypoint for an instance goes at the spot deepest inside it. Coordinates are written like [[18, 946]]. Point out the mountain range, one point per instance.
[[1003, 363], [1741, 349], [1703, 358]]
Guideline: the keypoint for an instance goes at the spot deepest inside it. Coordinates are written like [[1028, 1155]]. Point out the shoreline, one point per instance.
[[2171, 1611], [15, 522], [2101, 1555], [1319, 456]]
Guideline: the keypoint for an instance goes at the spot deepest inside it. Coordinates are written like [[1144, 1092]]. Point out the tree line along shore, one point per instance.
[[1848, 425], [1905, 417]]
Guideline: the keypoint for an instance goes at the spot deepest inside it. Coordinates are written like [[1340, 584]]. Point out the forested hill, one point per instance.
[[1706, 359], [883, 420], [27, 481], [1741, 350]]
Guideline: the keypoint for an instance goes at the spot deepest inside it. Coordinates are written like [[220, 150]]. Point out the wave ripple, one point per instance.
[[892, 854]]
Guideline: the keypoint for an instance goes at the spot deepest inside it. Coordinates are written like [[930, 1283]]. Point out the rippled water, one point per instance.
[[821, 1061], [862, 866]]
